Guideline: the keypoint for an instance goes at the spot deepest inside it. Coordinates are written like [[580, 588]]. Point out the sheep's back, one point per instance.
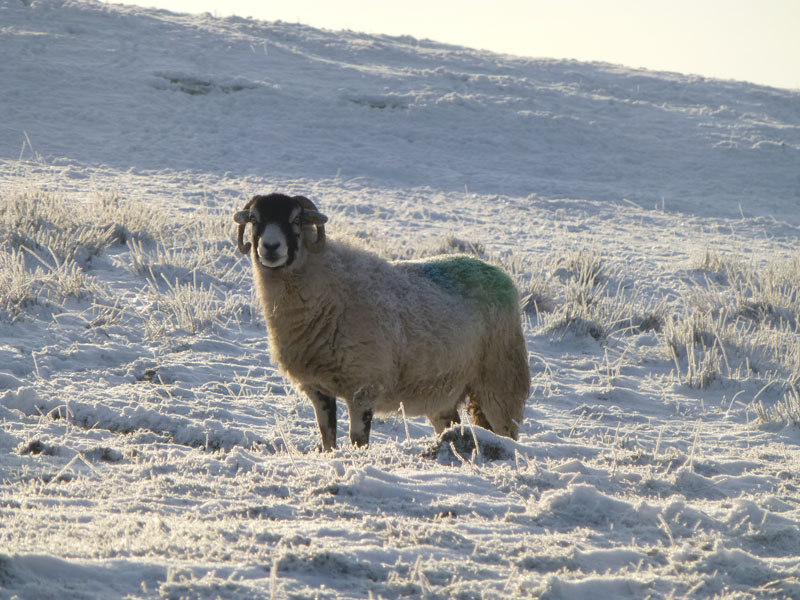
[[467, 277]]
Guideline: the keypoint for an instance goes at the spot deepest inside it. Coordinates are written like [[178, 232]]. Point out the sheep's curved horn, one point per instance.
[[313, 217], [243, 217]]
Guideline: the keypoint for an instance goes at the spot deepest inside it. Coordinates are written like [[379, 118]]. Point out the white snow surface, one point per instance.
[[142, 458]]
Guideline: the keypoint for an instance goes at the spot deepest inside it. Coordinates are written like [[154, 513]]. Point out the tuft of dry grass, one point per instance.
[[48, 243], [28, 280], [784, 412], [743, 324]]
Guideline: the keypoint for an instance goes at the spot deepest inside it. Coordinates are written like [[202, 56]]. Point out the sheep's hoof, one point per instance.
[[360, 442]]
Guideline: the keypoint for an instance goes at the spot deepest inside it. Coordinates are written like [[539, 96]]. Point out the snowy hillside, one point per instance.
[[122, 88], [150, 449]]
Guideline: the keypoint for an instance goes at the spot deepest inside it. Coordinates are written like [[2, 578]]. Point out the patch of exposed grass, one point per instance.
[[575, 291], [72, 229], [48, 244], [26, 280], [190, 307], [746, 323], [785, 411], [711, 260]]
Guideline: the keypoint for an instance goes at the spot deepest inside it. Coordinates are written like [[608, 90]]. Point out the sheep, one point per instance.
[[346, 323]]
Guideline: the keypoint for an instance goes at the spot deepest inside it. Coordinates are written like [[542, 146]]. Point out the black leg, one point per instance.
[[360, 436], [325, 410], [361, 409]]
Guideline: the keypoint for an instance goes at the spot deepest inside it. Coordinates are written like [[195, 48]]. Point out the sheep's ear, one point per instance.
[[314, 217], [242, 217]]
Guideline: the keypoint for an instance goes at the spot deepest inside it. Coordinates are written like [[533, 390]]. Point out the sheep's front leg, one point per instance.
[[325, 410], [361, 409]]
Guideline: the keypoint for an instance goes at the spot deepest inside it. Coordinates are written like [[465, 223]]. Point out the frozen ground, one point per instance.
[[150, 449]]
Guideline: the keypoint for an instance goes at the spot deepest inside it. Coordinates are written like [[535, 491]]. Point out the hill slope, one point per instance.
[[127, 88]]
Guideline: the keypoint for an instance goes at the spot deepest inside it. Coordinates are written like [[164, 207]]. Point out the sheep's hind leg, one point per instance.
[[325, 410], [361, 409], [478, 418], [444, 420]]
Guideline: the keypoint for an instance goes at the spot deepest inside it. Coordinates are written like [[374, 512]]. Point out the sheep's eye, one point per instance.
[[298, 220]]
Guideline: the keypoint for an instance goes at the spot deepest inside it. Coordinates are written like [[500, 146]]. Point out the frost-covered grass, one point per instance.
[[51, 245], [152, 418], [742, 324], [785, 411]]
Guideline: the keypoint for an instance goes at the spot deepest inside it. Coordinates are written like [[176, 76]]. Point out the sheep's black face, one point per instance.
[[277, 230], [282, 229]]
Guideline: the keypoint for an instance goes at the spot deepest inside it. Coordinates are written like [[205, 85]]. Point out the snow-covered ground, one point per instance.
[[148, 446]]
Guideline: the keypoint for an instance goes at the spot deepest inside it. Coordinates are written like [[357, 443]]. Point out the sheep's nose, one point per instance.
[[272, 248]]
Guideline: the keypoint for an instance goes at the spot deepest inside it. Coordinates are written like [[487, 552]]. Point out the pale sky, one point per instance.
[[750, 40]]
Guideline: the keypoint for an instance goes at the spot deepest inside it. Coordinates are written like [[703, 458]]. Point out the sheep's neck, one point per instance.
[[286, 301], [293, 312]]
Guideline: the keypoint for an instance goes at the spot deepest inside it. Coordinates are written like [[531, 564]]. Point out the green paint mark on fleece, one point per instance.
[[472, 278]]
